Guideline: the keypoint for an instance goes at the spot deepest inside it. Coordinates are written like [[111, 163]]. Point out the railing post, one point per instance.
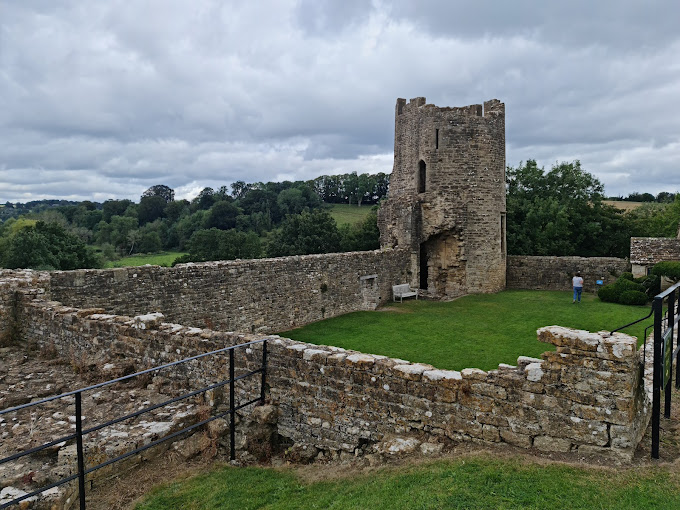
[[671, 321], [674, 314], [79, 450], [264, 371], [232, 406], [656, 380]]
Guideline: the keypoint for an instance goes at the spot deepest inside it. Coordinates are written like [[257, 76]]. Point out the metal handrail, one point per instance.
[[78, 435]]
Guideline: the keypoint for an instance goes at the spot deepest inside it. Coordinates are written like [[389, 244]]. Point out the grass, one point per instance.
[[477, 482], [476, 331], [155, 259], [345, 213]]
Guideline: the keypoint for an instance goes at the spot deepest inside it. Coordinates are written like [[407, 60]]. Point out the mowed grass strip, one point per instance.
[[155, 259], [345, 213], [477, 482], [476, 331]]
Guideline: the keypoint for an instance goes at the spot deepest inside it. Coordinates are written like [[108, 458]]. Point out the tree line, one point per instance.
[[245, 220], [557, 212]]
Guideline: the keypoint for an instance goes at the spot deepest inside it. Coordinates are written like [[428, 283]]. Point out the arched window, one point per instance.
[[422, 172]]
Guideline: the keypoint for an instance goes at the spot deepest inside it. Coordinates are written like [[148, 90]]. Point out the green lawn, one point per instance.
[[156, 259], [344, 213], [476, 482], [476, 331]]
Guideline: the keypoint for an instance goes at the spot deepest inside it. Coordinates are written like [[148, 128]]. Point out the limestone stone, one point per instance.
[[552, 444]]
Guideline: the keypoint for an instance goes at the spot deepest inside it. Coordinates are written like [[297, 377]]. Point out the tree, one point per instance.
[[112, 208], [361, 236], [47, 246], [160, 190], [204, 200], [239, 189], [309, 232], [151, 208], [222, 215], [561, 213], [215, 244]]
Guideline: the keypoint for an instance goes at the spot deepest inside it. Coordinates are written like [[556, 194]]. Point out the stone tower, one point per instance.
[[446, 202]]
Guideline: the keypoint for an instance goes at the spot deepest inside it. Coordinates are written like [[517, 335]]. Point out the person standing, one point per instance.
[[577, 284]]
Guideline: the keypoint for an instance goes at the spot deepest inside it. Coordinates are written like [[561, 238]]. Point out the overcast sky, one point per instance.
[[103, 99]]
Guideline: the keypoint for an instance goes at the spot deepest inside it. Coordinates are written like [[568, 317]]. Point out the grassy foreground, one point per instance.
[[156, 259], [476, 331], [479, 482], [345, 213]]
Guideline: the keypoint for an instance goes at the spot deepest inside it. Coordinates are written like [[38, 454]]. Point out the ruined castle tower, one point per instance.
[[446, 202]]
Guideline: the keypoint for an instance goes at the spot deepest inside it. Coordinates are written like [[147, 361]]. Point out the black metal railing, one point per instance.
[[664, 326], [83, 471]]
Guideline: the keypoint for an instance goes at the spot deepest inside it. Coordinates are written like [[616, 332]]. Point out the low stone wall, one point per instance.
[[586, 397], [555, 273], [259, 295]]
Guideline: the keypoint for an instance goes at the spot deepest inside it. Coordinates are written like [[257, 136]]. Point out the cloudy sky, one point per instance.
[[103, 99]]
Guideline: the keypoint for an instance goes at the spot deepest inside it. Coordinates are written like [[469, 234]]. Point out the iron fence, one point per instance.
[[83, 470], [664, 327]]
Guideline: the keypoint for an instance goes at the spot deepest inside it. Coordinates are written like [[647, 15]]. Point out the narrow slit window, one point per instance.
[[422, 173], [436, 138]]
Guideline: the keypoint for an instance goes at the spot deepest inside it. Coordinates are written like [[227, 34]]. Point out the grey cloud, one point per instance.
[[195, 94]]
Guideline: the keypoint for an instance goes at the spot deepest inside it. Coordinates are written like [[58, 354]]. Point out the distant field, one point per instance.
[[165, 258], [623, 205], [344, 213]]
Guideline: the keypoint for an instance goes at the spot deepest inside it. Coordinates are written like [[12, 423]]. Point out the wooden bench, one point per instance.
[[403, 290]]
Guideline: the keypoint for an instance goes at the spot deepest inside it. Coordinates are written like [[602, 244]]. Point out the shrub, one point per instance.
[[608, 293], [623, 284], [624, 291], [627, 276], [670, 269], [633, 297], [651, 284]]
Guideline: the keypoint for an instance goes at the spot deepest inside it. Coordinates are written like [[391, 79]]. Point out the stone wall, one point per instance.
[[11, 282], [555, 273], [446, 203], [259, 295], [586, 397], [647, 251]]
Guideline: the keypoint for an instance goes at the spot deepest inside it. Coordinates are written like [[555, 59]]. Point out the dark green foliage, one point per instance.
[[561, 213], [216, 244], [309, 232], [222, 215], [655, 220], [151, 208], [160, 190], [669, 269], [633, 297], [46, 246], [361, 236], [624, 291], [627, 276], [608, 293], [651, 283], [112, 208]]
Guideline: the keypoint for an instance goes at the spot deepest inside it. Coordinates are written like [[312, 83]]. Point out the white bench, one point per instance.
[[403, 290]]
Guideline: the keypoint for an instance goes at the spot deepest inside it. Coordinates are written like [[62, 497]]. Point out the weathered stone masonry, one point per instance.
[[446, 203], [261, 295], [555, 273], [586, 397]]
